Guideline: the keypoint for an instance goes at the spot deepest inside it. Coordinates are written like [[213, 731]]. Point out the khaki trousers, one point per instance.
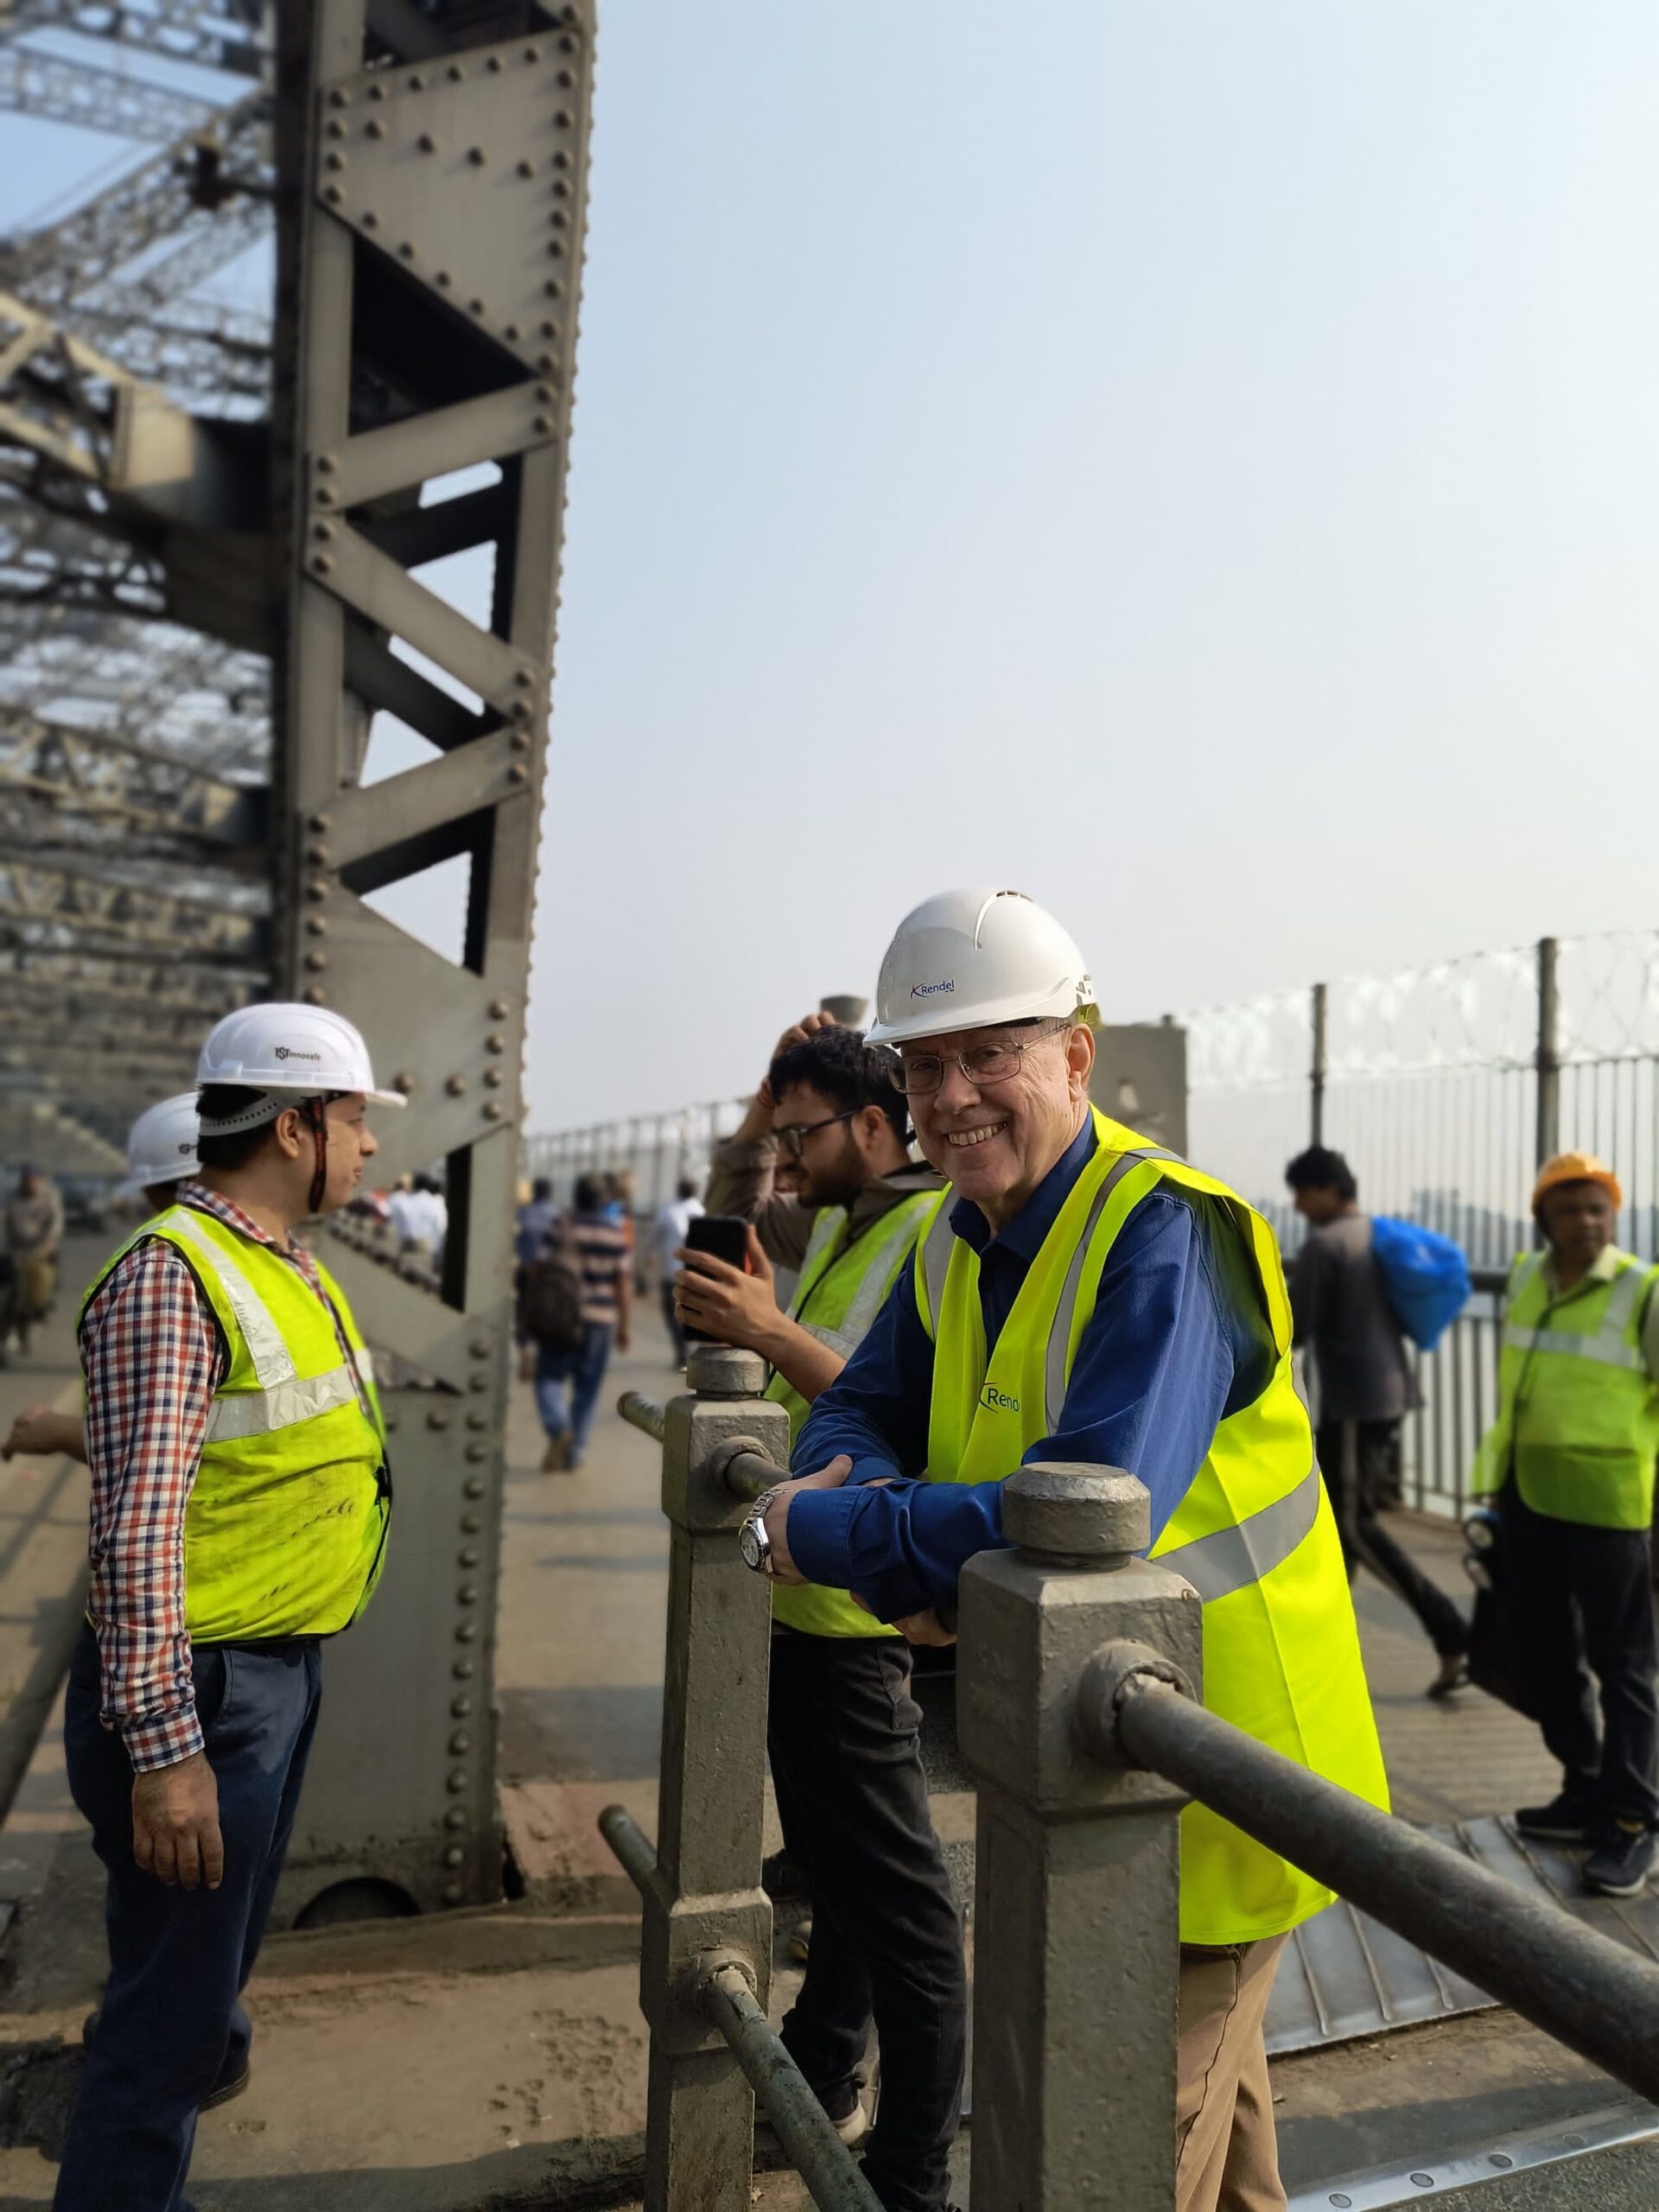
[[1228, 2159]]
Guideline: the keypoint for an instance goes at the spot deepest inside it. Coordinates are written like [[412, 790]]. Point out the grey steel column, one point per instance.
[[1076, 1925], [1317, 1072], [706, 1895], [432, 182], [1547, 1058]]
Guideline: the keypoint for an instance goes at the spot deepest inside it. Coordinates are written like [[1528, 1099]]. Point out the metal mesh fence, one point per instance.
[[1444, 1085]]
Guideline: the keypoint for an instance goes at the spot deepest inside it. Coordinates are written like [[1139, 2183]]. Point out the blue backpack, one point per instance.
[[1424, 1274]]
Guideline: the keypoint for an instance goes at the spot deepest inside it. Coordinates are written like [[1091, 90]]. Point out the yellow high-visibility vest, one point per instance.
[[1577, 1412], [285, 1529], [839, 1294], [1254, 1534]]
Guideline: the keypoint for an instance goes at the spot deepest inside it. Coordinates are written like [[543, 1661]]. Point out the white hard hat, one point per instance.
[[294, 1052], [161, 1143], [967, 959]]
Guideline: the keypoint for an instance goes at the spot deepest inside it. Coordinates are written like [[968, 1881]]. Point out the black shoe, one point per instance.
[[1452, 1677], [1566, 1819], [222, 2092], [1620, 1864]]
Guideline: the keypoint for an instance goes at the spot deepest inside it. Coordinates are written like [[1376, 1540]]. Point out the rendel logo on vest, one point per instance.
[[998, 1402], [932, 991]]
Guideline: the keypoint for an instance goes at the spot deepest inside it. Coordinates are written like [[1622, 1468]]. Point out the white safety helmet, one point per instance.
[[286, 1051], [161, 1143], [967, 959]]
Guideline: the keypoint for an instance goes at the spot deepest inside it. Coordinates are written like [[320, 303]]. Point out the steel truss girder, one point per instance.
[[205, 32], [425, 321], [64, 903], [95, 96], [93, 778]]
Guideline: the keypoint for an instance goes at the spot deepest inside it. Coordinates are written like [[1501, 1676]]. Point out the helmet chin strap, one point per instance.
[[316, 1115]]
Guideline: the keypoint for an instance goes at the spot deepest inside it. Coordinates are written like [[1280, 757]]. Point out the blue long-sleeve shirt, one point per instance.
[[1179, 1337]]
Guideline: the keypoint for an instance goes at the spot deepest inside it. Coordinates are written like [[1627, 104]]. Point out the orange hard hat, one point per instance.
[[1576, 1167]]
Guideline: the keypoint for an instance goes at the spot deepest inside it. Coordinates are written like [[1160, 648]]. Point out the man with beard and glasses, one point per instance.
[[843, 1728]]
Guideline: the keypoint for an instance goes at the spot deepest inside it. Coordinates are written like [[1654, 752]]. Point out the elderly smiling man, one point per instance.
[[1080, 1295]]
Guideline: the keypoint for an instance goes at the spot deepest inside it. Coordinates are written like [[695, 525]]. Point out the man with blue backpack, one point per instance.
[[1358, 1287]]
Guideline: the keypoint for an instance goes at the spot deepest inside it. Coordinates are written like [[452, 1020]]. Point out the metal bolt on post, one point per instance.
[[706, 1895], [1077, 1935]]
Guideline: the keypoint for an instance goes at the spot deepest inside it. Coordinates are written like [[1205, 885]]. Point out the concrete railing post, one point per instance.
[[705, 1895], [1076, 1925]]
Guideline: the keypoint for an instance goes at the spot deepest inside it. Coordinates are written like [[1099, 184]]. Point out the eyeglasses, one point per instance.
[[920, 1072], [793, 1134]]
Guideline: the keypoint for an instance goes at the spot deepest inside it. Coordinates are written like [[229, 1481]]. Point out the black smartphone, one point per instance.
[[725, 1235]]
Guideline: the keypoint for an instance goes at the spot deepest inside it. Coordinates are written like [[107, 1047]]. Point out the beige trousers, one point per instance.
[[1229, 2160]]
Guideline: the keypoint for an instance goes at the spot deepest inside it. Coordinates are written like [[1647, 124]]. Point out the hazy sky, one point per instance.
[[1192, 462]]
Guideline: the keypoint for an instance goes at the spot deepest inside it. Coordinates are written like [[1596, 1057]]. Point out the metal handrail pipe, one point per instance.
[[745, 1469], [641, 1411], [1579, 1987], [725, 1997]]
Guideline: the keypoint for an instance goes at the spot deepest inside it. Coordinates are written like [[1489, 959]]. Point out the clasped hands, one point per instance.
[[915, 1628]]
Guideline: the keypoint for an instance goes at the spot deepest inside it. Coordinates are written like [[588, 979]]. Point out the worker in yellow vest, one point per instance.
[[1082, 1295], [1569, 1461], [842, 1726], [240, 1502], [160, 1154]]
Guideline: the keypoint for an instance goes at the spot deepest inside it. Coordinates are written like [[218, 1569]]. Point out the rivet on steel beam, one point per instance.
[[481, 1348], [455, 73], [316, 892], [455, 1818], [417, 83], [336, 129], [376, 128], [478, 1421], [491, 1109], [471, 1523], [493, 1076], [464, 1669], [317, 855], [562, 119], [556, 247], [316, 925], [523, 678], [470, 1557], [468, 1594], [567, 78], [333, 195], [443, 280], [480, 1381], [549, 330], [371, 220], [314, 996], [465, 1632], [315, 963], [325, 497], [403, 1080], [391, 1424], [318, 824], [336, 162], [459, 1743], [437, 1420], [567, 45], [542, 425], [495, 1042], [475, 306], [499, 1009], [532, 54], [519, 741], [452, 1893], [553, 288], [338, 98], [517, 773], [405, 251], [559, 219], [461, 1707], [477, 1454], [427, 142], [455, 1084], [454, 1856], [511, 331], [475, 156], [473, 1487], [526, 168], [325, 530], [494, 64], [377, 91], [561, 161], [561, 189]]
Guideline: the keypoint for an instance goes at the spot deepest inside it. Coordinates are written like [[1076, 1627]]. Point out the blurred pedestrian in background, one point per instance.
[[34, 1234], [668, 1234]]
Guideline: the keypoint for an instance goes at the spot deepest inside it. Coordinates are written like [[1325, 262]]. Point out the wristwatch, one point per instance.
[[752, 1538]]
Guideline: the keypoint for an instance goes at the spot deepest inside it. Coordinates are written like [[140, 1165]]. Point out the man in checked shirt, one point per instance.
[[240, 1503]]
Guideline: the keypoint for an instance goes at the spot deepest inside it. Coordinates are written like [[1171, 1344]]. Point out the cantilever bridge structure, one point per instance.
[[214, 532]]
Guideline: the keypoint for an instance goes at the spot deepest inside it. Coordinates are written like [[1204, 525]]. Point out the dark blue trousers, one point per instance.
[[171, 2027]]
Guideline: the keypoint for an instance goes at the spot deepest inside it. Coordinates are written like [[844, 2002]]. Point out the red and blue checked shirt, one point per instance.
[[153, 1356]]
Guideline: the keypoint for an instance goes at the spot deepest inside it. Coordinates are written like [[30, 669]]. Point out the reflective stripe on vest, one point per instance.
[[1608, 1346], [1059, 1337], [1232, 1558], [880, 1256], [273, 1363], [261, 1413]]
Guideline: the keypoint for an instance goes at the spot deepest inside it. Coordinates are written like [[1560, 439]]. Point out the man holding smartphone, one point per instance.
[[842, 1727]]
